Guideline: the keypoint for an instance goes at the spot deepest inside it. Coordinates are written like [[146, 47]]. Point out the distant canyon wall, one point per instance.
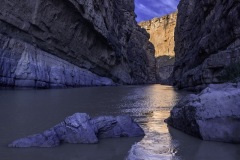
[[51, 43], [207, 43], [161, 32]]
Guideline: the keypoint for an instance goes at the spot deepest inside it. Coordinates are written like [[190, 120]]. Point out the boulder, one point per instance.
[[80, 128], [212, 115], [120, 126]]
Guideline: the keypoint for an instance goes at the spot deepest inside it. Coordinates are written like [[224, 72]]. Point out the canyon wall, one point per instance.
[[161, 32], [51, 43], [207, 42]]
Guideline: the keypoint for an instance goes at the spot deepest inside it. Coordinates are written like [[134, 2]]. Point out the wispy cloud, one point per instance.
[[148, 9]]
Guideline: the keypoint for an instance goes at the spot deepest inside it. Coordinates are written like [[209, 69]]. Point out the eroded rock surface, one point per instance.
[[99, 36], [212, 115], [161, 32], [27, 66], [80, 128], [207, 41]]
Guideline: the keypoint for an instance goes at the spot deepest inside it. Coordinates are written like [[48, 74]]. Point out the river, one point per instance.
[[26, 112]]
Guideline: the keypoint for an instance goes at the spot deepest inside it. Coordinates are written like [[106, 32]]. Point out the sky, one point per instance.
[[148, 9]]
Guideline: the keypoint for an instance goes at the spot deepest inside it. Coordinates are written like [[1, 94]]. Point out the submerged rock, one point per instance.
[[212, 115], [80, 128]]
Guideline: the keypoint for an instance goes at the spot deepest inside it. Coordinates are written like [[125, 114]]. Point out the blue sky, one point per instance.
[[148, 9]]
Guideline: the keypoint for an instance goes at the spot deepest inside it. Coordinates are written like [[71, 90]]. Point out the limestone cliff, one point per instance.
[[161, 32], [51, 43], [207, 41]]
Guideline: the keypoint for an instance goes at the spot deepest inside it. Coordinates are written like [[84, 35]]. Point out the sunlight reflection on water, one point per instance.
[[32, 111], [150, 111]]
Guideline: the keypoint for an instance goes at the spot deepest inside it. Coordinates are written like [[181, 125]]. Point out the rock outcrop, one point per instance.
[[42, 39], [212, 115], [28, 66], [161, 32], [207, 42], [80, 128]]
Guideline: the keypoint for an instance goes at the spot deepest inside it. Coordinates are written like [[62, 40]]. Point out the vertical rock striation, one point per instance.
[[24, 65], [161, 32], [81, 43], [207, 41]]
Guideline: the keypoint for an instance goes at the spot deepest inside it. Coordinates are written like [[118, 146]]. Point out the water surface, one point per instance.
[[25, 112]]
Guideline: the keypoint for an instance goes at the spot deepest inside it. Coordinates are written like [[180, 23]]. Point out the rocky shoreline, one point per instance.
[[212, 115], [27, 66], [207, 60]]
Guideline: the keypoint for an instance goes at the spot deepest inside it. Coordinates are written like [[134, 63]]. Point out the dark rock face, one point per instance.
[[213, 115], [161, 32], [99, 36], [207, 41], [80, 128], [164, 66]]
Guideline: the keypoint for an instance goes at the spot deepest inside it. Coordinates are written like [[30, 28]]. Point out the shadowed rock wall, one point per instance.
[[99, 36], [207, 41]]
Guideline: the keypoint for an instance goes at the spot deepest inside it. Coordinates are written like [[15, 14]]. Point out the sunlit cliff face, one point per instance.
[[148, 9]]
